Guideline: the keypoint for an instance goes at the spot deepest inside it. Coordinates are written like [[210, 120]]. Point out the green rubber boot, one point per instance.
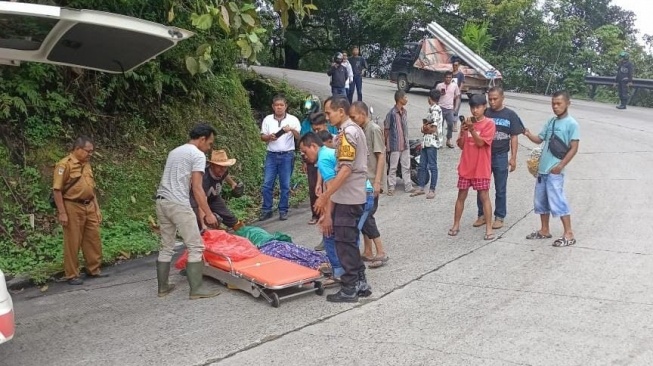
[[194, 275], [162, 273]]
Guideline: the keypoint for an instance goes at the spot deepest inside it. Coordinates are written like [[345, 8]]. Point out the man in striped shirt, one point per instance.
[[396, 142]]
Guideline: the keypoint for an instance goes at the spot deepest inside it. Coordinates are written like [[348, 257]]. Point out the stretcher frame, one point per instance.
[[256, 288]]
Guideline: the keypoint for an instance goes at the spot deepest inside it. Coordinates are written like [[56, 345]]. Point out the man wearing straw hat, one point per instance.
[[215, 175]]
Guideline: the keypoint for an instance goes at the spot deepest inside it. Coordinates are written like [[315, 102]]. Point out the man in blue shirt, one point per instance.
[[549, 190]]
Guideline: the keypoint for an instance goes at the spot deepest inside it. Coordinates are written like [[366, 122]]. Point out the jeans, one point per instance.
[[311, 172], [500, 172], [450, 119], [428, 162], [338, 91], [358, 84], [330, 249], [277, 164]]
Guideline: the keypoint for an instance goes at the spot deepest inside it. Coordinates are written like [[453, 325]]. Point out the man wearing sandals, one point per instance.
[[550, 196], [474, 169], [359, 113], [509, 127]]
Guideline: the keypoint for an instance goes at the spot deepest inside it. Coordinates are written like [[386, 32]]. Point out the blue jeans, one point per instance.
[[428, 162], [449, 116], [500, 172], [338, 91], [358, 84], [330, 249], [277, 164]]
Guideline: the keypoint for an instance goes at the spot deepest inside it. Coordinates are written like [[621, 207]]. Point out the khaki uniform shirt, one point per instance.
[[351, 150], [66, 171]]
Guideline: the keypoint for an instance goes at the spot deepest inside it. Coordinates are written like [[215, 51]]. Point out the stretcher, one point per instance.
[[263, 276]]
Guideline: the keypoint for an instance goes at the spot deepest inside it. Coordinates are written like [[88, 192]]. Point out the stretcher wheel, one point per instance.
[[275, 300], [319, 288]]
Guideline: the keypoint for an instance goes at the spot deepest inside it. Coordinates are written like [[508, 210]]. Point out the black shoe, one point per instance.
[[283, 216], [99, 275], [621, 107], [265, 216], [75, 281], [344, 295]]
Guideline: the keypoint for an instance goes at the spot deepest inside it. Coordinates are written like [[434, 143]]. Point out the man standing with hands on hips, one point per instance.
[[279, 131], [509, 127]]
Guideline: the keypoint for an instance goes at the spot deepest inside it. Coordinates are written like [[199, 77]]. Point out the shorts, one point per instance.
[[550, 195], [479, 184]]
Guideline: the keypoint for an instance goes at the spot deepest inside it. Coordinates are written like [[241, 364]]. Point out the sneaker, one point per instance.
[[265, 216], [411, 190], [283, 216], [419, 192], [479, 222], [498, 223], [621, 107], [430, 195], [344, 295]]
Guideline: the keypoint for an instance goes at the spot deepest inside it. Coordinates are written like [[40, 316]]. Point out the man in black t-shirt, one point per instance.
[[216, 174], [508, 127], [358, 65]]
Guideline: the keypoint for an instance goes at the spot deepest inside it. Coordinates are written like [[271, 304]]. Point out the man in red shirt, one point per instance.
[[475, 167]]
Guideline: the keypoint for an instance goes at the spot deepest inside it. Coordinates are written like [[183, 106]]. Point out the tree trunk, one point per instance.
[[291, 58]]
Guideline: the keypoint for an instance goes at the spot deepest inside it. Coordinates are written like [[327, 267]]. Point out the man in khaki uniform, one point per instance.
[[78, 211]]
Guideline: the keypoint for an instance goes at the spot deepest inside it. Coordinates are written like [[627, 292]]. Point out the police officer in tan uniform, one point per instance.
[[78, 211]]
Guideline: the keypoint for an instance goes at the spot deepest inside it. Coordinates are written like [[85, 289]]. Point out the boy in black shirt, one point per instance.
[[215, 175], [509, 127]]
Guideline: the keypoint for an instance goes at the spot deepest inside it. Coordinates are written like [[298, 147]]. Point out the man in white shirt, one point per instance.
[[182, 175], [350, 77], [279, 131]]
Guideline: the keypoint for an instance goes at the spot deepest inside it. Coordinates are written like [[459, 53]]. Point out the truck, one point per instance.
[[423, 64]]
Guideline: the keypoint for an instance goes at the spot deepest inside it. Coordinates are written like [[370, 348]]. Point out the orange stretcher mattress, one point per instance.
[[265, 270]]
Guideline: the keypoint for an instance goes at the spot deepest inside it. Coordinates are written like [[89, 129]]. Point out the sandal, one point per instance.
[[313, 221], [378, 262], [450, 145], [538, 235], [367, 259], [453, 232], [488, 237], [331, 281], [564, 242]]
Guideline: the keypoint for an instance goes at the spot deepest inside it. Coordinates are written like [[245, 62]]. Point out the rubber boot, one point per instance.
[[162, 273], [362, 287], [194, 275]]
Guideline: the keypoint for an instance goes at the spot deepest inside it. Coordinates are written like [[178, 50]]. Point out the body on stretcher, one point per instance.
[[263, 275]]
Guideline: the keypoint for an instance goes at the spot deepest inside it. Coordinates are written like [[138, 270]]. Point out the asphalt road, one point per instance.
[[440, 300]]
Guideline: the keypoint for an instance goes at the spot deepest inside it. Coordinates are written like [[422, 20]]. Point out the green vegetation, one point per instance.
[[135, 120]]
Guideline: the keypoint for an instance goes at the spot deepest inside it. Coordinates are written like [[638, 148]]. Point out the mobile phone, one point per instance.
[[280, 133]]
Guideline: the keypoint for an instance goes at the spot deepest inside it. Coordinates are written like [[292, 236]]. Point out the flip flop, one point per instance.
[[489, 237], [367, 259], [453, 232], [564, 242], [378, 262], [538, 235], [312, 222]]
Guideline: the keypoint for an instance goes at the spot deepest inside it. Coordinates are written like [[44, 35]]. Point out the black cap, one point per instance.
[[477, 99]]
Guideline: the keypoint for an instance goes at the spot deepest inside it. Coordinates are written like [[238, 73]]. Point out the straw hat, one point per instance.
[[219, 157]]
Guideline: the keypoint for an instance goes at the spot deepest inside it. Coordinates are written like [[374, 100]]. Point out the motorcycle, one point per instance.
[[415, 146]]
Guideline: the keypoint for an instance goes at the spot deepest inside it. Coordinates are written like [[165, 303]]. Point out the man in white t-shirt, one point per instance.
[[182, 174], [350, 77], [279, 131]]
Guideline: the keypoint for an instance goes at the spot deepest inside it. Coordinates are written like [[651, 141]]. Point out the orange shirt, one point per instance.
[[476, 162], [68, 170]]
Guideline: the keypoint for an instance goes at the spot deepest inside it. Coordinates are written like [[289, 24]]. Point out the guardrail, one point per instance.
[[594, 81]]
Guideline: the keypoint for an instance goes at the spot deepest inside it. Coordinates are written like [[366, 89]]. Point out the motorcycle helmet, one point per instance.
[[338, 58], [311, 104]]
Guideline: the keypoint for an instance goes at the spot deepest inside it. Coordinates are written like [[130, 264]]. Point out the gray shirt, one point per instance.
[[175, 182], [351, 150]]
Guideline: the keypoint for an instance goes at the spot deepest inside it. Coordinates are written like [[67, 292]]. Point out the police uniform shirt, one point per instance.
[[351, 150]]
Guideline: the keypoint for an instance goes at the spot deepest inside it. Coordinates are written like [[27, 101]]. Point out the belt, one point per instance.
[[281, 152], [82, 202]]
